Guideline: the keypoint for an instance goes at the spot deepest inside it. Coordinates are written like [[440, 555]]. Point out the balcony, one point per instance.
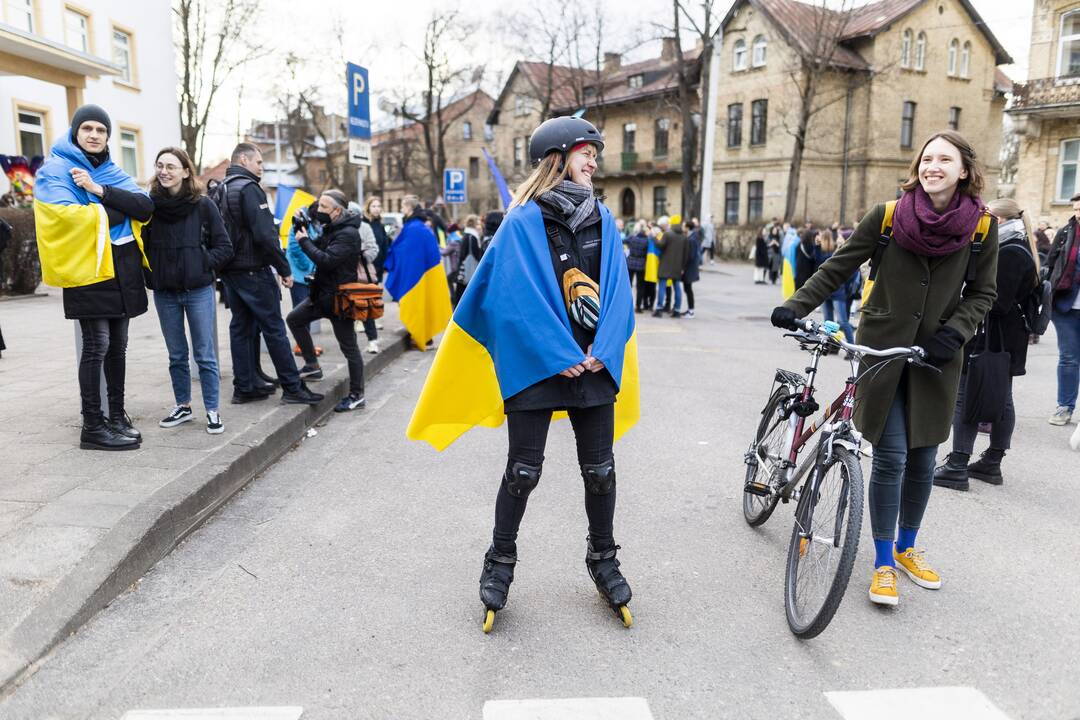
[[634, 163], [628, 161], [1057, 96]]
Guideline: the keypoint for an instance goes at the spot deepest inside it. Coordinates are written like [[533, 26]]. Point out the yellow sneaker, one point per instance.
[[883, 586], [911, 561]]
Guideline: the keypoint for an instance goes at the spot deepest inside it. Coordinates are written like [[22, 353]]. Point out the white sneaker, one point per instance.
[[373, 347], [214, 426], [378, 325]]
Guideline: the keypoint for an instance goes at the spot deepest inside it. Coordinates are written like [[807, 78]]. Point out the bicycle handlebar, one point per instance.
[[808, 330]]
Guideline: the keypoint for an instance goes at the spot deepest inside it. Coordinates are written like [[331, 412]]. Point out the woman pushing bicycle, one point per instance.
[[933, 257]]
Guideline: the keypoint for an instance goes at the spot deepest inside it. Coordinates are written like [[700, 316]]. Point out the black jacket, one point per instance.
[[1005, 321], [123, 295], [250, 223], [1059, 254], [381, 239], [590, 389], [185, 253], [336, 254]]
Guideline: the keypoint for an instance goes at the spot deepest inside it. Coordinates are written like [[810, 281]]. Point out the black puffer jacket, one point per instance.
[[336, 254], [590, 389], [185, 252], [123, 295]]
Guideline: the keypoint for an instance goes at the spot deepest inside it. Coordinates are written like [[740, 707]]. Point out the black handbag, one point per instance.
[[986, 387]]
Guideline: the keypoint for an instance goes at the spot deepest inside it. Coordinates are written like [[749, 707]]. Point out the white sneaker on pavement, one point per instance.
[[372, 347]]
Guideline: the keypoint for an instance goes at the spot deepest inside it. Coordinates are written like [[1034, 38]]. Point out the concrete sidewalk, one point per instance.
[[77, 527]]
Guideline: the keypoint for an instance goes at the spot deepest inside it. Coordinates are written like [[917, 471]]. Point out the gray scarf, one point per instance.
[[576, 202]]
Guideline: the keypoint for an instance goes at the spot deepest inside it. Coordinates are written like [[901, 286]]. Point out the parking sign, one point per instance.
[[454, 190]]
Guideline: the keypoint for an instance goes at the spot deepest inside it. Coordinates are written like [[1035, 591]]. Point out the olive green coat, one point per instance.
[[912, 297]]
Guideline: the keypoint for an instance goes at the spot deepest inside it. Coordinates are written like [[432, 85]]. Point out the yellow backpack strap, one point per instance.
[[883, 239], [977, 239]]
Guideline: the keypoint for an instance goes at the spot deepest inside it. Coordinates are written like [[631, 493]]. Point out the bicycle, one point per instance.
[[828, 510]]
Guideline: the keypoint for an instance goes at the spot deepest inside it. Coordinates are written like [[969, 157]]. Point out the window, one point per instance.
[[521, 106], [659, 201], [907, 125], [636, 81], [759, 119], [905, 49], [466, 130], [920, 51], [1067, 185], [489, 132], [77, 30], [1069, 46], [738, 61], [731, 203], [519, 152], [20, 14], [629, 132], [760, 46], [954, 47], [381, 165], [755, 201], [474, 168], [954, 118], [734, 125], [660, 137], [129, 151], [965, 60], [626, 203], [31, 133], [122, 55]]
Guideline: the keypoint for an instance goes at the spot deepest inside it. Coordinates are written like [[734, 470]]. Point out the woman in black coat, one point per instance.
[[1003, 329], [638, 247], [691, 272]]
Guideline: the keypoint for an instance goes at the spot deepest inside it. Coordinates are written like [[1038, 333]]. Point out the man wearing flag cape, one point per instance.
[[546, 325]]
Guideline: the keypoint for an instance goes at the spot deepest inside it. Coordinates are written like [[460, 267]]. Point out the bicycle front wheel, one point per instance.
[[768, 442], [823, 544]]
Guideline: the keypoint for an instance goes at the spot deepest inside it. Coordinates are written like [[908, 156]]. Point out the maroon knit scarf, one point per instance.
[[920, 229]]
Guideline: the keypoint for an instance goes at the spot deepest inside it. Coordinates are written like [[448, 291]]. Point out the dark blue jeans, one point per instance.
[[253, 299], [1067, 327], [901, 478], [199, 307]]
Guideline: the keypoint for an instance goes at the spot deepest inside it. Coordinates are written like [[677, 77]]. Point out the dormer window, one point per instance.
[[636, 81]]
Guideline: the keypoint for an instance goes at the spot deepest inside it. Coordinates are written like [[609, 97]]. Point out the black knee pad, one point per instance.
[[599, 478], [520, 478]]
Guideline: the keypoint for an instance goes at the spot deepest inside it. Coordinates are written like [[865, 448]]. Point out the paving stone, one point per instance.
[[45, 552], [24, 485], [13, 513], [87, 508]]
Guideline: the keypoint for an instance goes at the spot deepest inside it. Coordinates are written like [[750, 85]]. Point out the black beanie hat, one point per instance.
[[90, 113], [492, 221]]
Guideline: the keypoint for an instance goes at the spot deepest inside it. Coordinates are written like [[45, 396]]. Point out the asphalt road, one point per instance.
[[344, 580]]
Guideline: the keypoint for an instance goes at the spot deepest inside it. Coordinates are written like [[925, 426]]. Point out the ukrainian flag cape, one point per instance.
[[416, 280], [511, 330], [789, 250], [652, 263], [73, 234]]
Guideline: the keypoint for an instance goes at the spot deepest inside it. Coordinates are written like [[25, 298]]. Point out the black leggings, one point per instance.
[[594, 430], [104, 344], [688, 288]]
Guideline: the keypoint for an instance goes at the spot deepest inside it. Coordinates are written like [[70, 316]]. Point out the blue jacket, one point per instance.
[[301, 264]]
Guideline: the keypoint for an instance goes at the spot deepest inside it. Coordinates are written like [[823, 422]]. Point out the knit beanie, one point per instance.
[[492, 221], [89, 113]]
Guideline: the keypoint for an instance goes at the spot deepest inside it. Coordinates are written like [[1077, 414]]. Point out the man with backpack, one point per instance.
[[250, 286], [1065, 284]]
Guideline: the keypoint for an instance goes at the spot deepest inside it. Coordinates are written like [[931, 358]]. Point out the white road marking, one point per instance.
[[933, 703], [246, 713], [626, 708]]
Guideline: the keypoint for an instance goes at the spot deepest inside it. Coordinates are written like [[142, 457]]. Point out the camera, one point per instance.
[[301, 220]]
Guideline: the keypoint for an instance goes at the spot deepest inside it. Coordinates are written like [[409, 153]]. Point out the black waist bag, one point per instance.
[[986, 387]]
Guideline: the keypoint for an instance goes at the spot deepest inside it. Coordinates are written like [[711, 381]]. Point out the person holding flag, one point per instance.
[[546, 325], [415, 277]]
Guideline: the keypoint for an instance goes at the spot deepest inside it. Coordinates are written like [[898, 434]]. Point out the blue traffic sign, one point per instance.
[[356, 79], [454, 190]]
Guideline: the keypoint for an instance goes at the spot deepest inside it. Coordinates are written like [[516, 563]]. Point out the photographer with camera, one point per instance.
[[301, 265], [335, 253]]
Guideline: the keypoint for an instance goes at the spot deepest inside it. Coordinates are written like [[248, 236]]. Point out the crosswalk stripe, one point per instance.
[[930, 703], [623, 708], [236, 713]]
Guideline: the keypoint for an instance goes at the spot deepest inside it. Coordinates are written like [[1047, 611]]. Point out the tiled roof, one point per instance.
[[875, 17], [658, 76], [410, 129]]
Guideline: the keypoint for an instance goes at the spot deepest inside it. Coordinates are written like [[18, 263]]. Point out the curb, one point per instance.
[[152, 529]]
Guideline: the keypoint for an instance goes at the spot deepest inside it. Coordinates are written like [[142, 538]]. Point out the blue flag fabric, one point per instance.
[[500, 182]]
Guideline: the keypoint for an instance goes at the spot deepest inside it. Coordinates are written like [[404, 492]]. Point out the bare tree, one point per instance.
[[211, 41], [704, 25], [540, 33]]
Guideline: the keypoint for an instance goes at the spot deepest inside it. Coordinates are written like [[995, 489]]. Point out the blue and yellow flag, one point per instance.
[[415, 279], [73, 234], [790, 251], [652, 263], [289, 200], [511, 330]]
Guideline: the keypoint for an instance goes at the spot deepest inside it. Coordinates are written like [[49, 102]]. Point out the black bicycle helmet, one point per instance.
[[560, 135]]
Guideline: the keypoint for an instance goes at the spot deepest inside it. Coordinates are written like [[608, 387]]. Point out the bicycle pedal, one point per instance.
[[755, 488]]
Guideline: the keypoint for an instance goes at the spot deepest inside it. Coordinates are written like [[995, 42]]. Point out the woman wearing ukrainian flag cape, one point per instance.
[[87, 215], [545, 325]]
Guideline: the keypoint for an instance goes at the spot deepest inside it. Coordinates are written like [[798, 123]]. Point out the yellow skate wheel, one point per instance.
[[489, 620], [627, 618]]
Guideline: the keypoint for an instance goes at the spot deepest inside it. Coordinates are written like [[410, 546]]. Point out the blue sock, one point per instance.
[[883, 553], [905, 539]]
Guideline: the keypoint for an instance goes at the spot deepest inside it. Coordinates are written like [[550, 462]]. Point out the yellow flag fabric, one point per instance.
[[300, 199]]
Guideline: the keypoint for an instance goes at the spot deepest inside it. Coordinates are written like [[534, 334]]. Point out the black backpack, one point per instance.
[[1038, 303], [218, 191]]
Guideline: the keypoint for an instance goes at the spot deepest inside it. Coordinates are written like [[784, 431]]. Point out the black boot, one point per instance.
[[604, 570], [954, 473], [96, 435], [988, 467], [495, 578], [120, 423]]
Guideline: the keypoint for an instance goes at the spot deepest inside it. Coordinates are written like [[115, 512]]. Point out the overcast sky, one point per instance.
[[386, 35]]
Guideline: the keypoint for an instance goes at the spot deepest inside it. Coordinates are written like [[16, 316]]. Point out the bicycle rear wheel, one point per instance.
[[823, 543], [768, 440]]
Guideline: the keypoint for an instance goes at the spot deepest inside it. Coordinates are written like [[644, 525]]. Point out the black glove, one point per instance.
[[941, 348], [784, 318]]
